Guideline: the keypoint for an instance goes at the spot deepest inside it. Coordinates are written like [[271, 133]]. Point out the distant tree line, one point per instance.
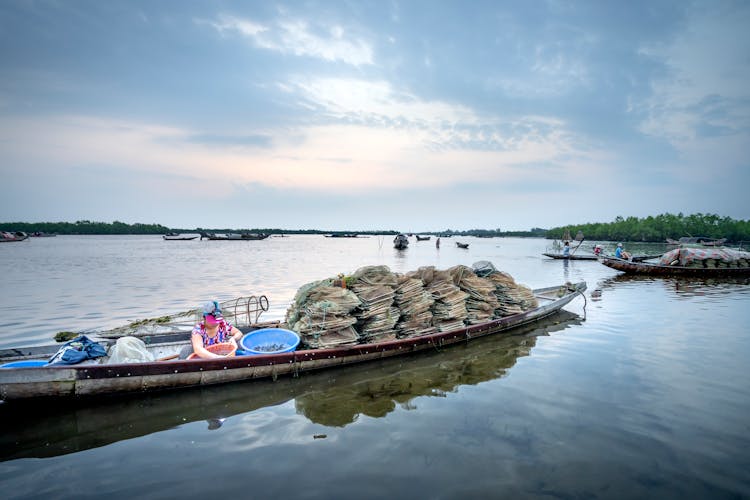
[[653, 229], [84, 227], [659, 228], [117, 227], [535, 232]]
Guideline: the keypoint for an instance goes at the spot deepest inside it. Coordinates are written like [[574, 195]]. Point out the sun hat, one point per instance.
[[619, 244], [212, 312]]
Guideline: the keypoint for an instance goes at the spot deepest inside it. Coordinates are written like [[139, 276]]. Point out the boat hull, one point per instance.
[[636, 258], [80, 381], [569, 257], [659, 270]]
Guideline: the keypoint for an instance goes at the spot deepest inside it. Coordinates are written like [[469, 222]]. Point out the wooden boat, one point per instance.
[[94, 377], [342, 235], [462, 245], [41, 234], [569, 257], [661, 270], [698, 240], [178, 237], [423, 238], [234, 236], [8, 237], [636, 258], [400, 242]]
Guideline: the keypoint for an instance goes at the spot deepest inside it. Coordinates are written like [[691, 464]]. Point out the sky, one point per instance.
[[367, 115]]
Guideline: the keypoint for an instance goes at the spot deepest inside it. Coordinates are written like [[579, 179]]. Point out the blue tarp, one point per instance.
[[79, 349]]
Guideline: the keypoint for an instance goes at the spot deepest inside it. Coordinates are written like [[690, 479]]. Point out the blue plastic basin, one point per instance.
[[24, 364], [269, 341]]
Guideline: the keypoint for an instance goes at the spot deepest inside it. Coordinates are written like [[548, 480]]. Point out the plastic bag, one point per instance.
[[129, 350]]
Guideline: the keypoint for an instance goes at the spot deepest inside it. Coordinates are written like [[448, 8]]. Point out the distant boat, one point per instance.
[[178, 237], [400, 242], [587, 256], [423, 238], [342, 235], [41, 234], [235, 236], [8, 237], [698, 240], [462, 245]]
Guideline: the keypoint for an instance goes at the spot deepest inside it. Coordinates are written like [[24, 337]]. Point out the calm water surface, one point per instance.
[[639, 393]]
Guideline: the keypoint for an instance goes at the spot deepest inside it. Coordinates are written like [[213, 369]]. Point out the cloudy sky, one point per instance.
[[407, 115]]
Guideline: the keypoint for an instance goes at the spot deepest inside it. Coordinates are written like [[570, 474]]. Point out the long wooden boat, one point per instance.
[[423, 238], [235, 236], [636, 258], [697, 240], [342, 235], [96, 378], [179, 238], [661, 270]]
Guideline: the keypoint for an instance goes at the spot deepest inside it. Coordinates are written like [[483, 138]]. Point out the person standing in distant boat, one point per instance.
[[214, 329], [566, 249]]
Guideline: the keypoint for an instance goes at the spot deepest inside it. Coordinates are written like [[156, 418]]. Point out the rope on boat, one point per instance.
[[575, 289]]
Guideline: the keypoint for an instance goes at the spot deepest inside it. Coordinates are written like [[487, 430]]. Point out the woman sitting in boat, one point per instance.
[[214, 329]]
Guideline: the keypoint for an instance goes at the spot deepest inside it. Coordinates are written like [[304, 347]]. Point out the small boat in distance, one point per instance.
[[42, 234], [462, 245], [342, 235], [8, 236], [178, 237], [400, 242], [423, 238], [234, 236], [698, 240]]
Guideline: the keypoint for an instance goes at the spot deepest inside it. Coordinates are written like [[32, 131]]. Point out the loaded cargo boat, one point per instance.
[[704, 262], [26, 374]]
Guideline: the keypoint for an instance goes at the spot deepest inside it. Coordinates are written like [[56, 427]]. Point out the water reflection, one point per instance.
[[332, 398], [682, 286]]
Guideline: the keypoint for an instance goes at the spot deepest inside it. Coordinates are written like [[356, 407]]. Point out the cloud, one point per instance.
[[701, 99], [230, 140], [299, 38], [440, 127]]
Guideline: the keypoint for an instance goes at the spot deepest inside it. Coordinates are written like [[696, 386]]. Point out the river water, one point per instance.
[[640, 390]]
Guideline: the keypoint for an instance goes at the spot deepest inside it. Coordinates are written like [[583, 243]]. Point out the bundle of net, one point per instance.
[[376, 315], [449, 309], [322, 315], [481, 302], [512, 297], [414, 303]]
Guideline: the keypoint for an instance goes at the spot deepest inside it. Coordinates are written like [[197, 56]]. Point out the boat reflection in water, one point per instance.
[[332, 398], [683, 286]]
